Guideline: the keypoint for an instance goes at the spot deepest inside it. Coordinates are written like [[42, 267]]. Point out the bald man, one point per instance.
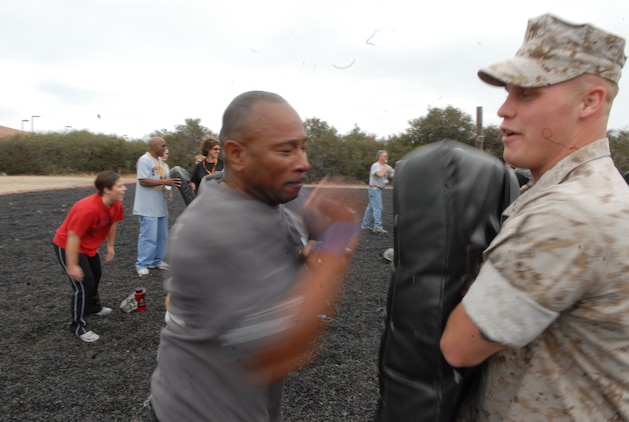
[[150, 205], [243, 309]]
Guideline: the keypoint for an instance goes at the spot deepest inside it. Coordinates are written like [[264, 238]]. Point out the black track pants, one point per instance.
[[85, 298]]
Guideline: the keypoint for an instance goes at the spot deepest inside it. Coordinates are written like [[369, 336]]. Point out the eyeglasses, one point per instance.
[[216, 149]]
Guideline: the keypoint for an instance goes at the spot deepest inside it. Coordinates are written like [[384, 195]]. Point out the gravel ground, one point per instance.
[[46, 374]]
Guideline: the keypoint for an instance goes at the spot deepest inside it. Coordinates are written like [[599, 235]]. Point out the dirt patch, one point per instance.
[[22, 184], [46, 374]]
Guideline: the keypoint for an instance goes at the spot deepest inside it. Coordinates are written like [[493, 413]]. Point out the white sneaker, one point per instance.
[[143, 271], [104, 311], [89, 337], [161, 266], [388, 254]]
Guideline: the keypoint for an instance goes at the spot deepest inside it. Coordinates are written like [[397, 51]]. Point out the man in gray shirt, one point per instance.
[[150, 206], [379, 175], [242, 309]]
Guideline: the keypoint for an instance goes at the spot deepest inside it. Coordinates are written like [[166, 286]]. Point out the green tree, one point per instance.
[[346, 156], [398, 146], [440, 124], [356, 153], [68, 153], [619, 146], [493, 141], [437, 125], [322, 142], [349, 155], [184, 143]]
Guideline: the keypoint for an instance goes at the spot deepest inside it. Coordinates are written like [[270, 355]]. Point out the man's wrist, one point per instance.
[[336, 238]]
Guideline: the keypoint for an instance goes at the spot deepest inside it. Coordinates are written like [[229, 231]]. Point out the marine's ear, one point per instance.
[[592, 100]]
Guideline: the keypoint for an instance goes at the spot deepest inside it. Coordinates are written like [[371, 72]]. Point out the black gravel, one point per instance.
[[46, 374]]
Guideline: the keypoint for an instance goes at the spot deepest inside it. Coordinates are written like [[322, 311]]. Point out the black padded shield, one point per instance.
[[181, 173], [447, 201]]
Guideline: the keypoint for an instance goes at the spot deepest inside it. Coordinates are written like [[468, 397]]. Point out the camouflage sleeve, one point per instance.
[[503, 313]]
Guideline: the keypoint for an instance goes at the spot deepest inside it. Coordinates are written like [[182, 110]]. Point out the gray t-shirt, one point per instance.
[[150, 201], [379, 181], [233, 260]]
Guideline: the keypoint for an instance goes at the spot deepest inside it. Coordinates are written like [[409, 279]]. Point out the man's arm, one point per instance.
[[319, 285], [462, 342], [73, 244], [316, 294], [144, 171], [383, 172], [160, 182], [111, 240]]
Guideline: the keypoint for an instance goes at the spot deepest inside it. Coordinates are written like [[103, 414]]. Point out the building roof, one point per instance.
[[7, 131]]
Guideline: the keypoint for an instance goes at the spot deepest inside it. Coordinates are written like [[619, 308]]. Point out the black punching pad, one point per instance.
[[181, 173], [447, 202]]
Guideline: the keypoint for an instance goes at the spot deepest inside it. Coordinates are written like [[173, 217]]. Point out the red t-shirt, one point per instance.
[[91, 220]]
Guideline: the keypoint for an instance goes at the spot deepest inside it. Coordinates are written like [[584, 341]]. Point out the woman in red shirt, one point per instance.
[[89, 222]]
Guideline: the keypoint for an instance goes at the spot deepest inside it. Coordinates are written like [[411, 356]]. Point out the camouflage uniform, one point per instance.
[[555, 290]]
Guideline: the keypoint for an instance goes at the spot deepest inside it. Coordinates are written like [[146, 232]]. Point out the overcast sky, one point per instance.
[[145, 65]]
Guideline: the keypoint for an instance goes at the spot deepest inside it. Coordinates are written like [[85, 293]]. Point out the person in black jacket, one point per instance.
[[211, 149]]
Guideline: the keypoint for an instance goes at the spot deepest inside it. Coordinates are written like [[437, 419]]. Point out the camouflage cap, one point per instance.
[[556, 51]]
